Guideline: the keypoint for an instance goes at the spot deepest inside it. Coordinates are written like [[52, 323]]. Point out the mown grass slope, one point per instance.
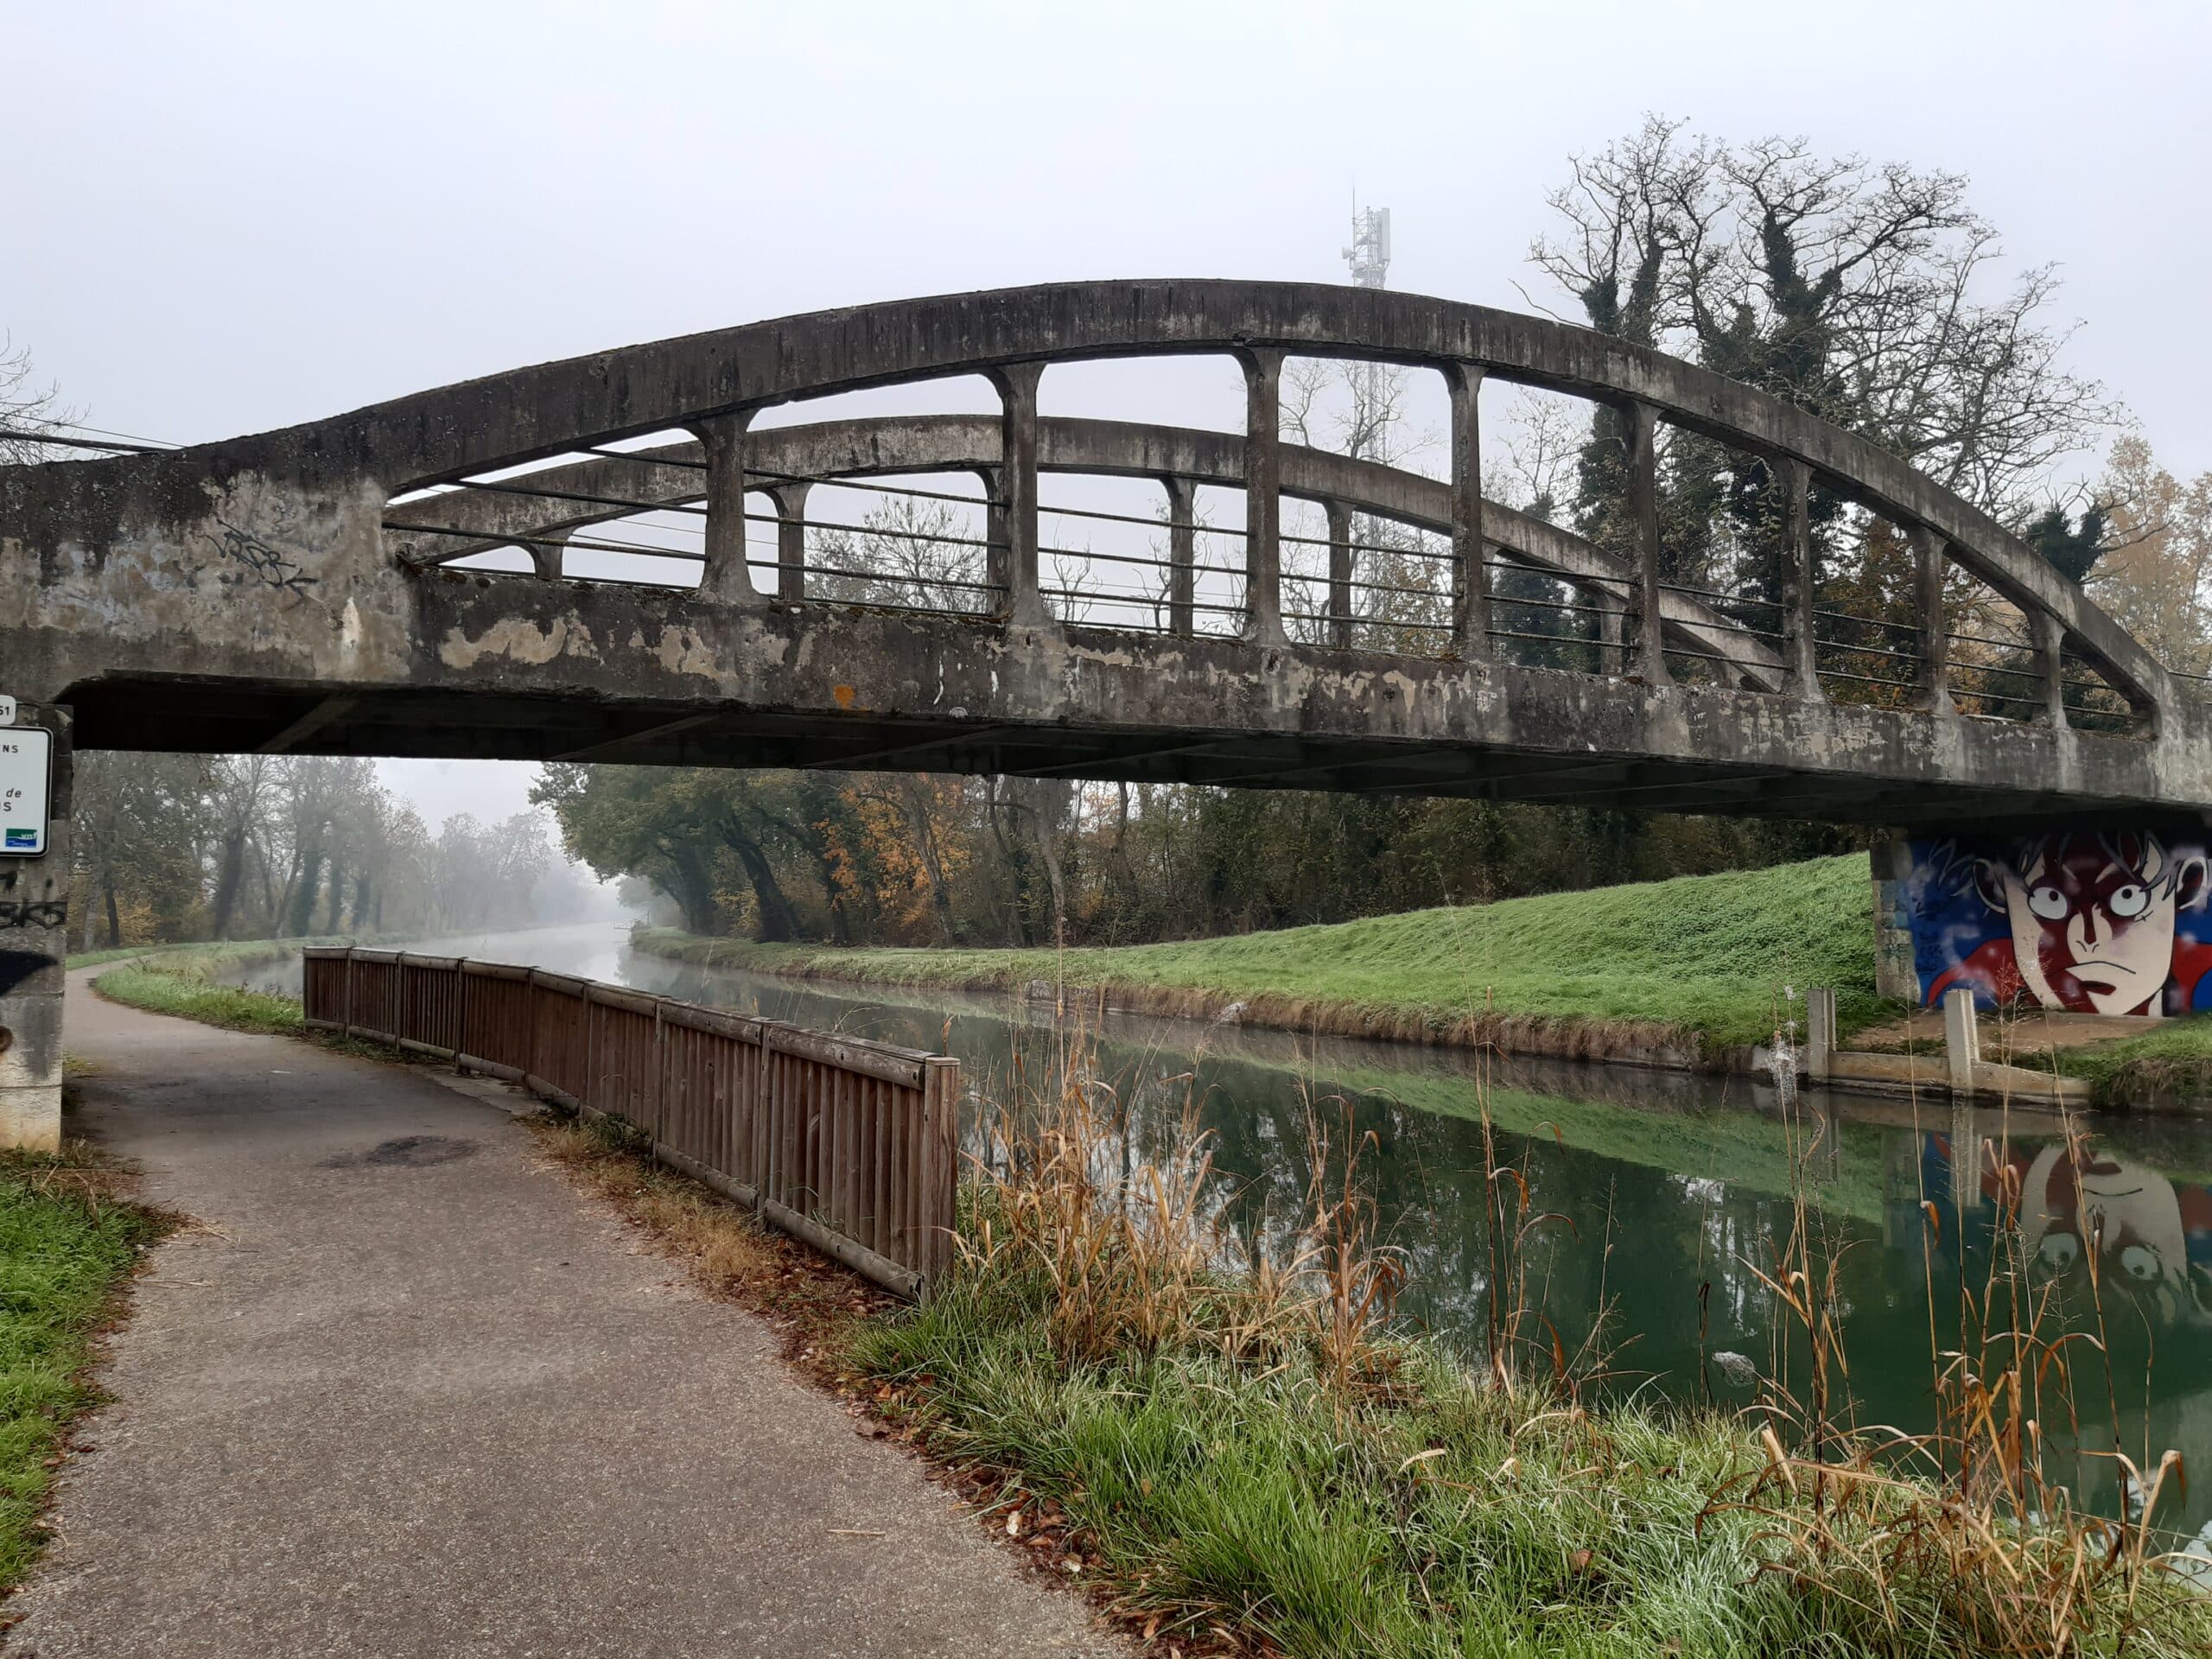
[[1706, 956]]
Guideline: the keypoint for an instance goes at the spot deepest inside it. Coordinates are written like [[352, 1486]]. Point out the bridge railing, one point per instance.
[[849, 1145]]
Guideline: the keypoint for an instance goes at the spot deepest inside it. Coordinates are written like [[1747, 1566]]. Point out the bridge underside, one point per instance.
[[534, 670]]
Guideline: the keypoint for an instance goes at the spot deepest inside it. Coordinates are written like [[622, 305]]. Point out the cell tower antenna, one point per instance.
[[1368, 256]]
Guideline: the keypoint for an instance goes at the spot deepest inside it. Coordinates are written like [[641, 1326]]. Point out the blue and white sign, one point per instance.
[[26, 786]]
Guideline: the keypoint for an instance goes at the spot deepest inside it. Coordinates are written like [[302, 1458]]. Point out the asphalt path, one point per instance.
[[401, 1389]]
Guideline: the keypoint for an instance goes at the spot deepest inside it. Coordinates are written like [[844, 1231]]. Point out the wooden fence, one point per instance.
[[851, 1146]]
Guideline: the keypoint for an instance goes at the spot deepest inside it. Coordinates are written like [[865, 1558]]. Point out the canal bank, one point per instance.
[[1675, 1186], [1668, 1197]]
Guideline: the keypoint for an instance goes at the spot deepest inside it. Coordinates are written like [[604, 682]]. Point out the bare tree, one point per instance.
[[29, 407]]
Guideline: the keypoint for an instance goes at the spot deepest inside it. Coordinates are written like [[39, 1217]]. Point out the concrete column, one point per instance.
[[1017, 388], [1182, 555], [2051, 663], [1801, 579], [34, 946], [1263, 494], [1644, 524], [1961, 1047], [726, 576], [1340, 569], [1470, 576], [790, 540], [1896, 971], [1928, 557]]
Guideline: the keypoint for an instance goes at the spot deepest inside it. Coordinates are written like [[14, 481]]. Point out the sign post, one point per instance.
[[35, 767], [26, 788]]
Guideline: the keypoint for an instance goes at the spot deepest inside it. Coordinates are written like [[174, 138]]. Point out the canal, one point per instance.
[[1667, 1196]]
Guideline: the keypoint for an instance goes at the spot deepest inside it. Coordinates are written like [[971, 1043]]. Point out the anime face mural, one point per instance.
[[2104, 922]]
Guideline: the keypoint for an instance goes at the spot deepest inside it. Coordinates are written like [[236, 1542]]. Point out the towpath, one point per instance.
[[406, 1392]]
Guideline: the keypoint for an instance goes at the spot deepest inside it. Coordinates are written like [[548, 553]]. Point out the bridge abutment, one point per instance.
[[1897, 974], [34, 951]]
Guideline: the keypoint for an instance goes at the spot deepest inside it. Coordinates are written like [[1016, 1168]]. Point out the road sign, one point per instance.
[[26, 787]]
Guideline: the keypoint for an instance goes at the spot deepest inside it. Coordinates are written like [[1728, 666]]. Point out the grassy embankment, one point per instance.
[[183, 980], [66, 1242], [1258, 1464], [1697, 965]]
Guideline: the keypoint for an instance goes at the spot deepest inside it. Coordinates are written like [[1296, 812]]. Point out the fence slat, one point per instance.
[[849, 1145]]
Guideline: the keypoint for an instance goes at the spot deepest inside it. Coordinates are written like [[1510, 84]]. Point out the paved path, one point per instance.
[[437, 1403]]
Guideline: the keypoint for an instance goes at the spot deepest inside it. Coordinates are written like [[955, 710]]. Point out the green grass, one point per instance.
[[2174, 1058], [64, 1246], [1705, 956], [209, 955], [1445, 1519], [160, 991]]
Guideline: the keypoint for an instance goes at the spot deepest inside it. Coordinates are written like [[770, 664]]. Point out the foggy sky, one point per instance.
[[220, 219]]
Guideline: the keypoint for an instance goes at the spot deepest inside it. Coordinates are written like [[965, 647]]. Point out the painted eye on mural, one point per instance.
[[2050, 904], [2059, 1251], [2129, 900], [2140, 1262]]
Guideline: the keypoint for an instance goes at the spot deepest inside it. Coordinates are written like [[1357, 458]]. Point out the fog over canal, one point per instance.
[[1670, 1188]]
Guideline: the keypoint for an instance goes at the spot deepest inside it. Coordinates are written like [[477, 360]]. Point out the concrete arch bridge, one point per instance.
[[320, 588]]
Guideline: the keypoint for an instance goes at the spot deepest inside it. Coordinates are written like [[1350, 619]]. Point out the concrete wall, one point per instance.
[[33, 945]]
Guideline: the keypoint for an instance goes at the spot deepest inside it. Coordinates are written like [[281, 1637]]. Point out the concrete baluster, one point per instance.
[[548, 551], [1800, 580], [1928, 557], [1643, 522], [2051, 664], [790, 540], [1340, 569], [1470, 575], [995, 548], [1017, 389], [1262, 495], [1182, 555], [726, 576]]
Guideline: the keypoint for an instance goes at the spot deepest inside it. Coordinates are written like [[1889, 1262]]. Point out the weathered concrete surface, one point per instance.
[[34, 945], [443, 1407], [248, 595]]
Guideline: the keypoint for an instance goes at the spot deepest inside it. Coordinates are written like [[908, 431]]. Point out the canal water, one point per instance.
[[1667, 1194]]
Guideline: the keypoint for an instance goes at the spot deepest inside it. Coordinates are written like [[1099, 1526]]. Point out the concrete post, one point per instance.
[[1470, 576], [1263, 494], [1644, 522], [1962, 1043], [2051, 663], [1801, 579], [33, 948], [1340, 569], [1609, 619], [1896, 970], [995, 571], [548, 553], [1182, 555], [727, 577], [1820, 1034], [1927, 555], [790, 540], [1017, 389]]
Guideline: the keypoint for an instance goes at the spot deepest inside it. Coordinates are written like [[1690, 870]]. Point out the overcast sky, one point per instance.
[[220, 219]]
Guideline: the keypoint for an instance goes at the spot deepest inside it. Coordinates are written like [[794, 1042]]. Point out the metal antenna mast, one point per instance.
[[1368, 256]]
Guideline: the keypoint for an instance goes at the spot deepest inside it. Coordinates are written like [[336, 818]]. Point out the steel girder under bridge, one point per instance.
[[320, 589]]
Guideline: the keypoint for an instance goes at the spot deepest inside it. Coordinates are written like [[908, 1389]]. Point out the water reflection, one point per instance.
[[1672, 1187]]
